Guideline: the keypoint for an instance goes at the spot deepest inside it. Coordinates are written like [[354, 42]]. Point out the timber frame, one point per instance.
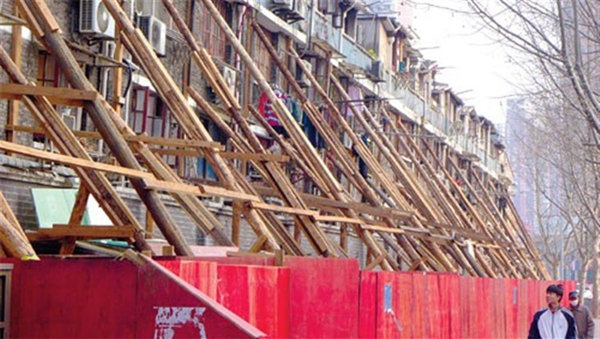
[[416, 210]]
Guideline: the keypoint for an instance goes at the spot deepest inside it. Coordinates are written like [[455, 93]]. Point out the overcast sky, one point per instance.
[[468, 60]]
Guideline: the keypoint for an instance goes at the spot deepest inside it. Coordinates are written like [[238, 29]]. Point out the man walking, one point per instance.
[[553, 321], [582, 315]]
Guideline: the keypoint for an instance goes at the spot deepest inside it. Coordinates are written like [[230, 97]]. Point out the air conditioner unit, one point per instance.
[[145, 7], [156, 33], [377, 70], [70, 121], [95, 19], [230, 76], [301, 77]]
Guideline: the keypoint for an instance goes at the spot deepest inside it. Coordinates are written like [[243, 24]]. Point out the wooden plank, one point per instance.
[[50, 92], [382, 229], [129, 138], [71, 161], [335, 218], [81, 232], [54, 100], [283, 209], [225, 155], [197, 190]]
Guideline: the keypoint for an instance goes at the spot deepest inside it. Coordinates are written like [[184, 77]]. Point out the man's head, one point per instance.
[[554, 294], [574, 298]]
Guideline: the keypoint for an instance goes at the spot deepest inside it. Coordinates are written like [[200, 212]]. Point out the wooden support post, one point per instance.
[[15, 54], [149, 230], [236, 222]]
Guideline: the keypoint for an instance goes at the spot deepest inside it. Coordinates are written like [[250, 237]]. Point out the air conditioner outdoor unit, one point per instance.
[[95, 19], [156, 33], [145, 7], [301, 77], [377, 70], [230, 76], [70, 121]]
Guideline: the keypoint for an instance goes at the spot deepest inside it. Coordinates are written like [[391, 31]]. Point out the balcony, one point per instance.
[[355, 54], [324, 32]]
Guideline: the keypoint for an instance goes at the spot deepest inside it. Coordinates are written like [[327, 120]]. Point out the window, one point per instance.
[[204, 169], [149, 115], [213, 38]]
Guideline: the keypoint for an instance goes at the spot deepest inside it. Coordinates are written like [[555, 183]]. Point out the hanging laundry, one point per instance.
[[265, 107], [356, 98]]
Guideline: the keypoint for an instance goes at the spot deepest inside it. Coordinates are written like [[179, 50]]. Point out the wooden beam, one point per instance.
[[283, 209], [197, 190], [81, 232], [335, 218], [71, 161], [225, 155], [50, 92], [169, 142]]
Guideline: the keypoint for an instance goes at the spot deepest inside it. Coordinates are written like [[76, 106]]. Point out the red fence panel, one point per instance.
[[433, 306], [484, 312], [420, 309], [324, 297], [166, 304], [368, 305], [258, 294], [395, 310], [69, 298]]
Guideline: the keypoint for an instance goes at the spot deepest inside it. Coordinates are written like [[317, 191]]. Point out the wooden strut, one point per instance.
[[445, 200], [311, 157], [67, 144], [100, 115], [272, 172], [190, 123]]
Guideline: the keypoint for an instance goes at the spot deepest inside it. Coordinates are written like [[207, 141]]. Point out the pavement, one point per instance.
[[597, 328]]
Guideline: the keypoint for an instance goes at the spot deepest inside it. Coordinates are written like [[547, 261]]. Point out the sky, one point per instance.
[[472, 64]]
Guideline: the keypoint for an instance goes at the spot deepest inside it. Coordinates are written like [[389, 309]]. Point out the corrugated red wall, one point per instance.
[[239, 297]]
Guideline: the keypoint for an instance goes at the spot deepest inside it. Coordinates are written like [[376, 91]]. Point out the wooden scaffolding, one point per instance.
[[409, 212]]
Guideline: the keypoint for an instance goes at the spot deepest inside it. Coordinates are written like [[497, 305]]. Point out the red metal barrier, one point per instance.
[[432, 310], [369, 304], [305, 299], [323, 297], [260, 295]]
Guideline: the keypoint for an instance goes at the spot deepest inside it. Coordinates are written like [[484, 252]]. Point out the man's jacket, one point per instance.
[[559, 324], [584, 321]]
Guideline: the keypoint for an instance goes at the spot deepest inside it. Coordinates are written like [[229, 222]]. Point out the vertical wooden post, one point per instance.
[[149, 225], [236, 222], [15, 54]]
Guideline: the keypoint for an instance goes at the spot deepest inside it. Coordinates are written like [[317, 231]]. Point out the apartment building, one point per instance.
[[367, 45]]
